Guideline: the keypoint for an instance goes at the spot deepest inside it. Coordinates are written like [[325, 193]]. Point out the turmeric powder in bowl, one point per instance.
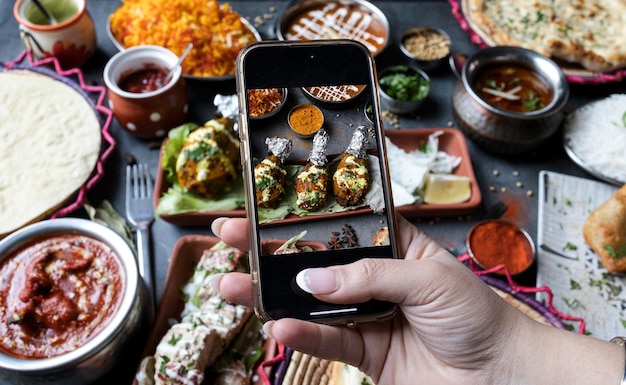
[[306, 120]]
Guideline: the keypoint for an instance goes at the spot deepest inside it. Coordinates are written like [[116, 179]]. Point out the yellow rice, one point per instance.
[[216, 31]]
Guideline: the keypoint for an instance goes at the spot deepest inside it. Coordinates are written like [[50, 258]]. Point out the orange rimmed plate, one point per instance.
[[185, 255], [451, 142]]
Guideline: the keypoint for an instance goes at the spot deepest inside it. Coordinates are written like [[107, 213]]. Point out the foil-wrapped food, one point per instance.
[[312, 181], [351, 180], [270, 175]]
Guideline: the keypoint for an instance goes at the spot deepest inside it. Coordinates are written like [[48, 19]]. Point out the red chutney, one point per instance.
[[493, 243], [146, 80], [57, 293]]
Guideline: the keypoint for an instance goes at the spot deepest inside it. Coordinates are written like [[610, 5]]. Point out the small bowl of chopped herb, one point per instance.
[[403, 88]]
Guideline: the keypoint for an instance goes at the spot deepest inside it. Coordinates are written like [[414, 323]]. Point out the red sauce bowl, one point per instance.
[[54, 255], [497, 242], [156, 110]]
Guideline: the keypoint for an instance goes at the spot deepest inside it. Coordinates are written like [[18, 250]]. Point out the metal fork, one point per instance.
[[140, 214]]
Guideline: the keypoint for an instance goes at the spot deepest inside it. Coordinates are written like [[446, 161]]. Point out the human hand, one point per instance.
[[451, 327]]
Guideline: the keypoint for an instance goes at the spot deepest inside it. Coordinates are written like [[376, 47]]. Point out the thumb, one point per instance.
[[399, 281]]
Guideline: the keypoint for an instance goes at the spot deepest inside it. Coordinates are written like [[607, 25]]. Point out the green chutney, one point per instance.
[[61, 10]]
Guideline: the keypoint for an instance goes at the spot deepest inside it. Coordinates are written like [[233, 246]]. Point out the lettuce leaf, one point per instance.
[[176, 139], [177, 201]]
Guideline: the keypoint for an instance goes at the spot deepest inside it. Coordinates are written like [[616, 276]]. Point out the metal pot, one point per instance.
[[91, 360], [501, 131]]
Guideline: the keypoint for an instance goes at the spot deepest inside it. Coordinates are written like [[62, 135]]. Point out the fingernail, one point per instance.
[[216, 226], [316, 280], [215, 280], [267, 329]]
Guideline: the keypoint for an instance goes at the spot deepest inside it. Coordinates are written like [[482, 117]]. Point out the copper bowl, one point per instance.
[[498, 130]]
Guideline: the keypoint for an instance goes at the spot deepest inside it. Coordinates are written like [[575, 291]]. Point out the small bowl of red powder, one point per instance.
[[499, 243]]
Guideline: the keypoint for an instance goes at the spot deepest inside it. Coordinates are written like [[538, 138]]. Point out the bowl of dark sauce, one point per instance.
[[509, 100]]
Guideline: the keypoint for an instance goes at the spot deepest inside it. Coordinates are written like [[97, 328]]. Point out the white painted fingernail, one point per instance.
[[267, 329], [215, 280], [216, 225], [316, 280]]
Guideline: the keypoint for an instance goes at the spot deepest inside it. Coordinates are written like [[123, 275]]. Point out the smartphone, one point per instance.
[[315, 172]]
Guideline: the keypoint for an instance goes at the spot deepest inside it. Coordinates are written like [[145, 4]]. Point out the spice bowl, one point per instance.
[[266, 102], [498, 244], [305, 120], [403, 89], [426, 47]]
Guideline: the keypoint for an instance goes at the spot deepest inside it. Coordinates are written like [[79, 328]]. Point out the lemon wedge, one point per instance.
[[446, 188]]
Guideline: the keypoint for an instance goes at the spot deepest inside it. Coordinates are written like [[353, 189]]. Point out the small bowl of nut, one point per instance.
[[427, 47]]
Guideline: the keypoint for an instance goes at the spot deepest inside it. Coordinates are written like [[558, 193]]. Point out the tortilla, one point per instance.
[[50, 142]]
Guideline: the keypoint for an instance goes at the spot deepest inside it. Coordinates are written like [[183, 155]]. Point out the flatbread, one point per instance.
[[589, 33], [50, 141]]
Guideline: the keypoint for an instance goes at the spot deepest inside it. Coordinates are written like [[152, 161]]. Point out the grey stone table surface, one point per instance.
[[497, 176]]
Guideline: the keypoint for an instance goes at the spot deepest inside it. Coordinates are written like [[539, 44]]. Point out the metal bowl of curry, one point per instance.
[[509, 100], [71, 300]]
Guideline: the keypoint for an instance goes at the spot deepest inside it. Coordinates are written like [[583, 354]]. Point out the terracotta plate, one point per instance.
[[192, 218], [186, 253], [453, 143]]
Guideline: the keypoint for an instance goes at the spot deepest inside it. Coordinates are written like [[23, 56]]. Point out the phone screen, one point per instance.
[[315, 171]]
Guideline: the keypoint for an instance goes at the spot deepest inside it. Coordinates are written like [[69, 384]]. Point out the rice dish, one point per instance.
[[217, 32], [596, 134]]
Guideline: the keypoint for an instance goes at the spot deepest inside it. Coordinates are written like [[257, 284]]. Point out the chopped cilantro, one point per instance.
[[615, 253], [570, 246], [164, 361], [540, 16], [175, 338], [404, 85], [532, 102], [573, 285]]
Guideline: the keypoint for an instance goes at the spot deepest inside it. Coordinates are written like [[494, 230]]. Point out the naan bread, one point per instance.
[[605, 231], [587, 32], [50, 142]]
